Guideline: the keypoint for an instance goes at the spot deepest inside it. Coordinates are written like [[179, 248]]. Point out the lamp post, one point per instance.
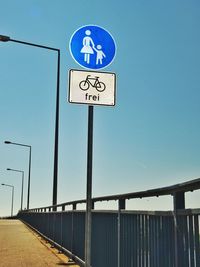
[[12, 186], [22, 192], [29, 171], [4, 38]]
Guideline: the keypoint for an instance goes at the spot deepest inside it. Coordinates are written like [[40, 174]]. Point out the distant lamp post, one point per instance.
[[4, 38], [12, 186], [29, 171], [22, 191]]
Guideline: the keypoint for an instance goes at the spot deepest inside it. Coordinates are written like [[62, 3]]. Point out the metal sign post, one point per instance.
[[88, 218]]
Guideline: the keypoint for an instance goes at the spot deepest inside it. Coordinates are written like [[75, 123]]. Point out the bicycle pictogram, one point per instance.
[[92, 81]]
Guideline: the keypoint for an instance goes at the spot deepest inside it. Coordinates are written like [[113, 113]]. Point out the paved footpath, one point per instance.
[[20, 247]]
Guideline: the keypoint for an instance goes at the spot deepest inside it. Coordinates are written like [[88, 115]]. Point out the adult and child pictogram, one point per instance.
[[89, 48]]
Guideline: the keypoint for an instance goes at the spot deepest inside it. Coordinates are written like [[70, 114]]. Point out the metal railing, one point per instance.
[[122, 238]]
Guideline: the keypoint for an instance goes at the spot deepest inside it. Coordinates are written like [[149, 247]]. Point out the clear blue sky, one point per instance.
[[151, 138]]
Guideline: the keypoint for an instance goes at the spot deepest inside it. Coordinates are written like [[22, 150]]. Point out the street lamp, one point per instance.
[[4, 38], [12, 186], [29, 171], [22, 172]]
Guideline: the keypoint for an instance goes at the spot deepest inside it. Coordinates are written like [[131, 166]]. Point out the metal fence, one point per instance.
[[124, 238]]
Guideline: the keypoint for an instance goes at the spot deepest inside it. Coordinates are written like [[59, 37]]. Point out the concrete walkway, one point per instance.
[[20, 247]]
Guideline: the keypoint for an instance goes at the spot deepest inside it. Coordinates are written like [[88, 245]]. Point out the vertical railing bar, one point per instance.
[[186, 239], [48, 230], [53, 234], [139, 239], [72, 233], [170, 241], [191, 240], [148, 240], [61, 232], [142, 241], [135, 240], [197, 236], [152, 244], [176, 239], [118, 234], [155, 241], [157, 248]]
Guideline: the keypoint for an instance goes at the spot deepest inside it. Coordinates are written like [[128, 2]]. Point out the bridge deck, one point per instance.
[[20, 247]]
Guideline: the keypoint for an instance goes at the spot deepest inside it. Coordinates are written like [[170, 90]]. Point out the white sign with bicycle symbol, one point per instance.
[[92, 88]]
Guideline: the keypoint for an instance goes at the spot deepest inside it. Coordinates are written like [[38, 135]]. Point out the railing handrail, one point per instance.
[[168, 190]]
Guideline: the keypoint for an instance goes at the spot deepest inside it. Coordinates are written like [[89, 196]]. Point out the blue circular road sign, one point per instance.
[[92, 47]]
